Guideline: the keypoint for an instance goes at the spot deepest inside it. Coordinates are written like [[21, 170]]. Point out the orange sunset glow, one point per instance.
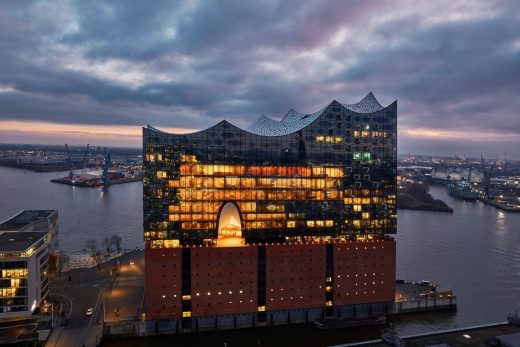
[[52, 133]]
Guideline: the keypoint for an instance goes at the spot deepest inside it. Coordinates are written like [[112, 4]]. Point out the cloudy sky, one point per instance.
[[96, 71]]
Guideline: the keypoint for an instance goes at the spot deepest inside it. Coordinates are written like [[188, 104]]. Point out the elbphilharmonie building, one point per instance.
[[285, 221]]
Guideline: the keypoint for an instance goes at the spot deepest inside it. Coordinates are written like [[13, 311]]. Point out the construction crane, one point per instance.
[[69, 161], [487, 179], [108, 162], [85, 161]]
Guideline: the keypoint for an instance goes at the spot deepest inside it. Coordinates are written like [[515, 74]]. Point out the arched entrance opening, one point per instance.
[[229, 226]]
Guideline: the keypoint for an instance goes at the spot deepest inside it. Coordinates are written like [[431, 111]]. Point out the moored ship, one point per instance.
[[350, 322], [462, 189]]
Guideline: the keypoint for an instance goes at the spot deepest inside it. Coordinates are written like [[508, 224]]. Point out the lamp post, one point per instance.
[[104, 305]]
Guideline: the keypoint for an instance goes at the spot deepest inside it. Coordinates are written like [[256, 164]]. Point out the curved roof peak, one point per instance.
[[367, 105], [294, 120]]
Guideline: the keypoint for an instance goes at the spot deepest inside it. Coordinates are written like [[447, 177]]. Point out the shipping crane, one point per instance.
[[86, 158], [108, 162], [69, 161], [487, 178]]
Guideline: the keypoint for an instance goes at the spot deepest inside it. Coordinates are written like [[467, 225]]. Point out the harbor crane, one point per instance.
[[69, 161], [85, 161], [108, 163], [486, 180]]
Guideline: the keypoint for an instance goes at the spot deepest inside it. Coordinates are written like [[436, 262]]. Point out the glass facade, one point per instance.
[[332, 178], [13, 286]]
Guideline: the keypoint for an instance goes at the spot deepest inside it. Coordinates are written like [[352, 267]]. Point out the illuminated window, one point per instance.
[[261, 308], [357, 208], [366, 215], [188, 158], [291, 224], [161, 174], [328, 303], [7, 292], [186, 314], [310, 223], [186, 297], [320, 138], [364, 156]]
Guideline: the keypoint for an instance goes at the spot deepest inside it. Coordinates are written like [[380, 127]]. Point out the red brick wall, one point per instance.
[[364, 272], [295, 276], [163, 271], [229, 275]]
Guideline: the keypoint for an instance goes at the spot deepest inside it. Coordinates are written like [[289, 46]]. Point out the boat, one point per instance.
[[513, 318], [391, 337], [462, 189], [349, 322]]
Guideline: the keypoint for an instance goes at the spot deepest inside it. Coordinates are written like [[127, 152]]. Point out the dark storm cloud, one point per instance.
[[452, 75], [452, 66]]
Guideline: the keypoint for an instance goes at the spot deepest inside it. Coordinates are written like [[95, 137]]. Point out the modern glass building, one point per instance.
[[328, 177], [27, 243]]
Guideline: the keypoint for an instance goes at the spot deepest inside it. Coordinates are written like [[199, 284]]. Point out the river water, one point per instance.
[[475, 251], [84, 213]]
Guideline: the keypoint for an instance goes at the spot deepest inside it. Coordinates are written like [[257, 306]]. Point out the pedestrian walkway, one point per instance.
[[88, 337]]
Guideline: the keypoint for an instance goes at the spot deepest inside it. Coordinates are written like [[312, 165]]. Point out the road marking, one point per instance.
[[95, 307]]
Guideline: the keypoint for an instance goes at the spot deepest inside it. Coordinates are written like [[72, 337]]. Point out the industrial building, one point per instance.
[[285, 221], [28, 242]]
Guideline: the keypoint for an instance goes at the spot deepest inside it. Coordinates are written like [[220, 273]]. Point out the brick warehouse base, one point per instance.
[[250, 320], [208, 288]]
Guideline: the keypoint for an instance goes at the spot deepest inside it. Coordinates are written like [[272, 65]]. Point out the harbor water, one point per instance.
[[475, 251], [84, 213]]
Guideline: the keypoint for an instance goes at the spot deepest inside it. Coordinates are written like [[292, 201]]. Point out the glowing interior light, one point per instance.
[[230, 228]]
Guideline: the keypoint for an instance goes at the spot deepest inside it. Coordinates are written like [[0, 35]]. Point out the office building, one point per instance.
[[27, 243]]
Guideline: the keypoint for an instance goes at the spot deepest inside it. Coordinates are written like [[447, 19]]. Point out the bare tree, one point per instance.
[[95, 254], [107, 244], [92, 246], [63, 258], [117, 241], [98, 258]]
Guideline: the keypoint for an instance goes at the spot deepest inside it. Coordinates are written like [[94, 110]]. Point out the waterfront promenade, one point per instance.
[[484, 335]]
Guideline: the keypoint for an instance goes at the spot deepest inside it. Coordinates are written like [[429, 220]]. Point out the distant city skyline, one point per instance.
[[95, 72]]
